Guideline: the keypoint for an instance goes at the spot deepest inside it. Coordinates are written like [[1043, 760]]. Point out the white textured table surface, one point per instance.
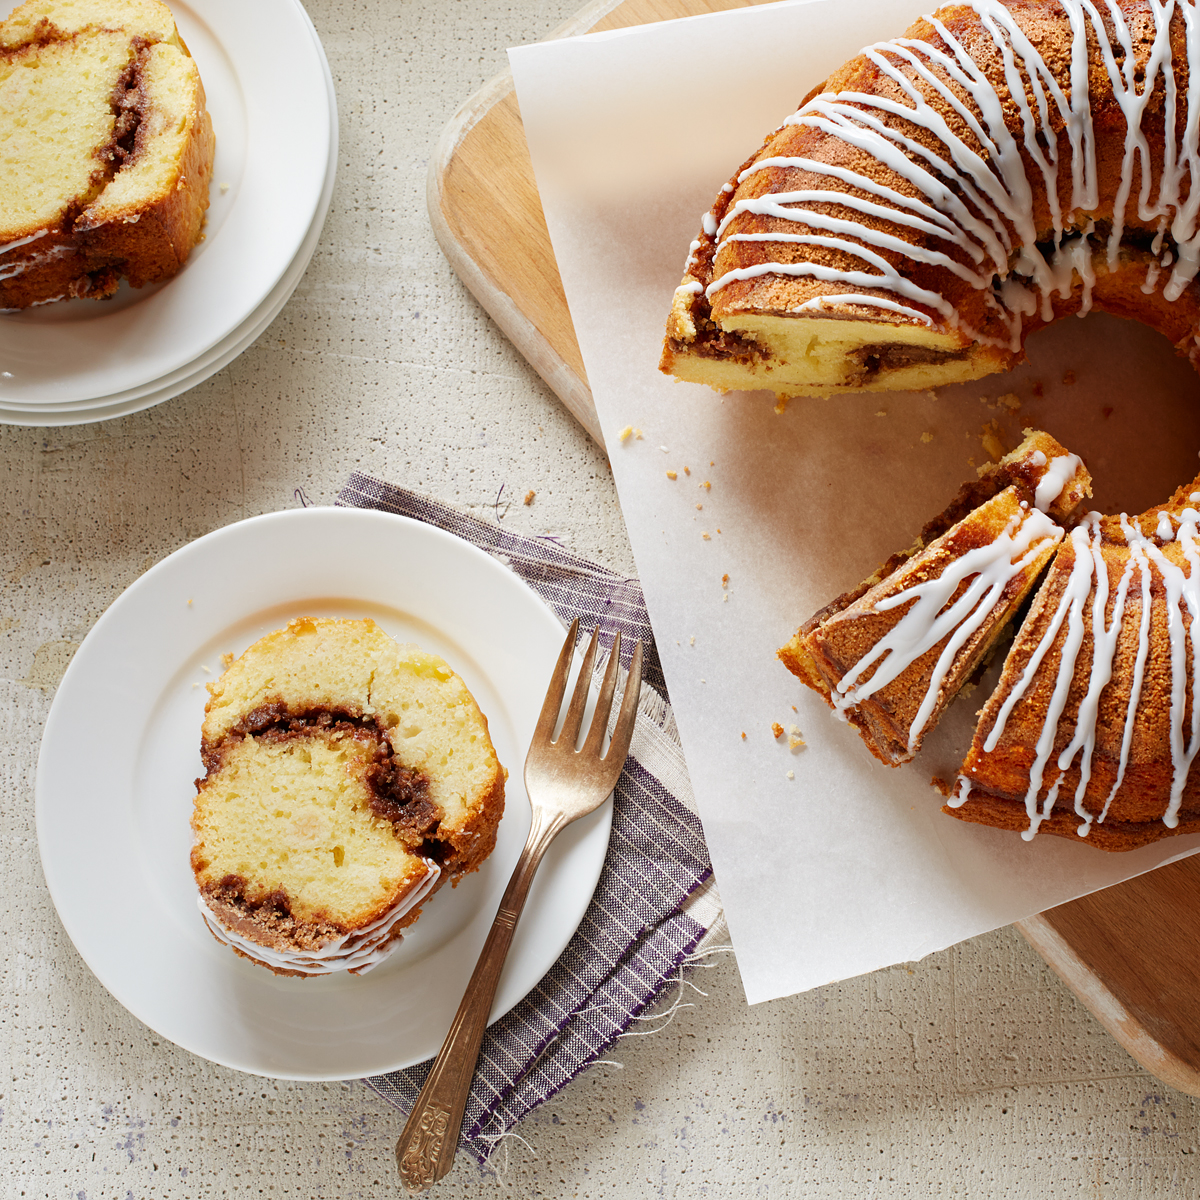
[[973, 1073]]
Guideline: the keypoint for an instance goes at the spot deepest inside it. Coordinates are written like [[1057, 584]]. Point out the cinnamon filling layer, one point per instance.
[[128, 104], [875, 360], [398, 794]]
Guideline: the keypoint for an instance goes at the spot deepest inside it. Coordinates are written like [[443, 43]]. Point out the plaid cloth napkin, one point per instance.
[[655, 907]]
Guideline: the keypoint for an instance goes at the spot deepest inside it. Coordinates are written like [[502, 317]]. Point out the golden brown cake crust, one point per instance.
[[830, 645], [756, 332], [140, 208], [1114, 836], [1055, 677]]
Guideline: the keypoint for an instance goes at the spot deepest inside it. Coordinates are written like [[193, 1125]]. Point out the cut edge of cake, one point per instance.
[[132, 202], [878, 655], [381, 726]]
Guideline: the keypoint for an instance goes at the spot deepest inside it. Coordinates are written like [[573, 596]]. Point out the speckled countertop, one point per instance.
[[972, 1073]]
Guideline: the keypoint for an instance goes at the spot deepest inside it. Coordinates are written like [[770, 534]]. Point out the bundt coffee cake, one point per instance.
[[106, 149], [348, 777], [891, 654], [944, 195], [1095, 724]]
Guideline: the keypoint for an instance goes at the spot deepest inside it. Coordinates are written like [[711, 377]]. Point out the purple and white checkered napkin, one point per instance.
[[655, 905]]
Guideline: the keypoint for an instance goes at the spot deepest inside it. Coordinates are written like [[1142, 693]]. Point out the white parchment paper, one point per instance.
[[829, 864]]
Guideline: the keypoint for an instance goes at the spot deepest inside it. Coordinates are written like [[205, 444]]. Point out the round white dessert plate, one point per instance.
[[120, 753], [265, 79], [196, 372]]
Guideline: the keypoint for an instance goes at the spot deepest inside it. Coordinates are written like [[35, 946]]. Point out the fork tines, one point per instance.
[[569, 735]]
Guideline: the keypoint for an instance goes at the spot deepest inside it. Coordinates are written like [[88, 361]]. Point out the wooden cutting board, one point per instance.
[[1132, 952]]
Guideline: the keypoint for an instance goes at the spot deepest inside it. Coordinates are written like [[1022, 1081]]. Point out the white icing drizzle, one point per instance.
[[358, 951], [820, 302], [1055, 478], [985, 211], [1089, 578], [961, 794], [33, 237], [931, 617], [35, 259]]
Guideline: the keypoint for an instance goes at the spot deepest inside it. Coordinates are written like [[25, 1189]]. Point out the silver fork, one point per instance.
[[563, 784]]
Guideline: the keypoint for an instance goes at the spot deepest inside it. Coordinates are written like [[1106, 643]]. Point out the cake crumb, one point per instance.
[[1069, 378], [776, 729], [692, 640], [227, 659], [781, 405], [882, 412], [664, 449], [699, 507], [637, 433], [224, 188], [624, 434], [992, 442], [706, 485], [725, 579], [927, 437], [743, 735], [796, 743], [189, 602], [672, 474], [705, 536], [205, 669], [529, 498], [791, 774], [687, 470]]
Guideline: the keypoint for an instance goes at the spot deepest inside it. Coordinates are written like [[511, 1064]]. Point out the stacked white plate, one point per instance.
[[270, 94]]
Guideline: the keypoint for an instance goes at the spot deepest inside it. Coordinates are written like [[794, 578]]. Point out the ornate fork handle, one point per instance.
[[426, 1151]]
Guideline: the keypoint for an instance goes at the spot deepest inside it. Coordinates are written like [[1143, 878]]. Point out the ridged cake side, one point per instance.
[[1095, 725], [943, 195]]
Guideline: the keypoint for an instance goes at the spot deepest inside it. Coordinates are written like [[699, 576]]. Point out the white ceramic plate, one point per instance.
[[264, 76], [120, 753], [16, 412]]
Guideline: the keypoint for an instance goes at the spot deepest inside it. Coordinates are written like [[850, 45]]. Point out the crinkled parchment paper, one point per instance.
[[829, 864]]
